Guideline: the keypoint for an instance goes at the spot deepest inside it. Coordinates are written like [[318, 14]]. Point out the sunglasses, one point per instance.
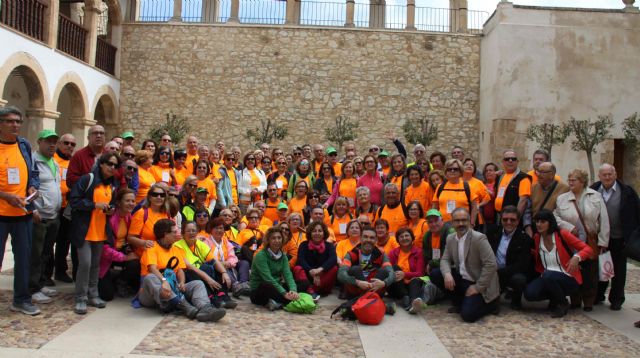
[[297, 154], [315, 196], [253, 218], [166, 140], [282, 163], [130, 168], [110, 164], [69, 143], [266, 162], [191, 185], [453, 170], [374, 149], [158, 194], [509, 220], [251, 158], [202, 215], [510, 159], [165, 153], [126, 155]]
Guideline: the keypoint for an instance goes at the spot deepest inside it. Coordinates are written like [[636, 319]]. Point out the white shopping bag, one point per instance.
[[605, 264]]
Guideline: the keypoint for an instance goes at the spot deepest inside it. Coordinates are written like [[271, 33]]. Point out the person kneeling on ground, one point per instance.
[[271, 281], [315, 270], [366, 268], [156, 291]]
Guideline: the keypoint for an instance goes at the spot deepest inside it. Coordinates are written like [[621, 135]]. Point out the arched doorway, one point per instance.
[[24, 90], [105, 115], [72, 114]]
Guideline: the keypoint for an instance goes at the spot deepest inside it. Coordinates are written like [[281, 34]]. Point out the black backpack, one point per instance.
[[467, 191], [345, 311]]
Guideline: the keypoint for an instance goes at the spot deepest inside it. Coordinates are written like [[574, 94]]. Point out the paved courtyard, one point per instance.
[[249, 331]]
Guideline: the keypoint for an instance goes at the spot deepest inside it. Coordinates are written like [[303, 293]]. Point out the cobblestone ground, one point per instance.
[[20, 331], [249, 331]]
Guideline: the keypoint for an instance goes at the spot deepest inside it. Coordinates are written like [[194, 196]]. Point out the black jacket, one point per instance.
[[629, 208], [519, 256]]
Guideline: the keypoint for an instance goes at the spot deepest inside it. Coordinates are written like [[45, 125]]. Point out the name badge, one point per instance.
[[165, 177], [343, 228], [351, 202], [64, 173], [279, 184], [501, 191], [254, 247], [451, 206], [13, 175], [436, 254]]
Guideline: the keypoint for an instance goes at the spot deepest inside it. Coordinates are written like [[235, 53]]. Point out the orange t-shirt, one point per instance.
[[339, 226], [181, 175], [13, 177], [419, 194], [215, 171], [419, 229], [524, 189], [161, 172], [291, 247], [348, 190], [271, 210], [264, 222], [282, 184], [534, 177], [234, 185], [397, 181], [329, 184], [144, 229], [386, 170], [158, 256], [389, 245], [297, 205], [211, 188], [121, 235], [189, 162], [395, 217], [403, 261], [452, 197], [97, 226], [64, 166], [343, 247], [146, 180], [246, 234], [337, 169]]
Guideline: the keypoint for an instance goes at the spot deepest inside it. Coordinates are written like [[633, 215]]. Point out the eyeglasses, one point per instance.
[[374, 149], [251, 158], [126, 155], [278, 153], [131, 168], [272, 189], [191, 185], [315, 196], [356, 163], [165, 153], [110, 164], [510, 159], [165, 140], [253, 218], [13, 121], [202, 215], [453, 170], [297, 154], [509, 220], [158, 194], [69, 143], [369, 162], [282, 163]]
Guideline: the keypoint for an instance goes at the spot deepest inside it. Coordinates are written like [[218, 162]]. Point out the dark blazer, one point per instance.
[[518, 258], [629, 208]]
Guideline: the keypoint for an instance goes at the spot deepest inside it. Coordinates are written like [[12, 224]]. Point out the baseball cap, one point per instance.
[[283, 206], [384, 153], [202, 190], [331, 150], [434, 212], [127, 135], [47, 133]]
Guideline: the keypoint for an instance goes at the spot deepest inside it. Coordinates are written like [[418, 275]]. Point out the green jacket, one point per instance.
[[265, 268]]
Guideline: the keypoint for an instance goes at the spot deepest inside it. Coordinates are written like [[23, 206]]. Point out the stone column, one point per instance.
[[411, 15], [51, 18], [80, 129], [377, 13], [463, 15], [235, 10], [38, 119], [291, 13], [91, 25], [453, 15], [210, 10], [133, 11], [351, 8], [177, 11], [628, 6]]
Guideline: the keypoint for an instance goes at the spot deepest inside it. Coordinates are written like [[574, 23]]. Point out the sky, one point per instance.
[[490, 5]]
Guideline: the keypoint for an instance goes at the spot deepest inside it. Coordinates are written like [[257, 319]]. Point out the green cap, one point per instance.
[[384, 153], [202, 190], [434, 212], [331, 150], [47, 133], [127, 135], [283, 206]]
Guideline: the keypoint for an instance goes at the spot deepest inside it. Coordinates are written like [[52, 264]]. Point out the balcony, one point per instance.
[[26, 16]]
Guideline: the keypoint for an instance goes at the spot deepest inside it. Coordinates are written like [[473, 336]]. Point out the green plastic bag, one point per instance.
[[304, 304]]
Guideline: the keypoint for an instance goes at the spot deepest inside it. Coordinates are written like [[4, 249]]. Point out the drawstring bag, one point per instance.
[[369, 309], [170, 274], [304, 304]]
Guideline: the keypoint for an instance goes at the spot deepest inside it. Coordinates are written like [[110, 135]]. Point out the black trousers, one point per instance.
[[473, 307], [130, 275], [63, 242], [517, 282], [413, 289], [266, 291], [617, 248]]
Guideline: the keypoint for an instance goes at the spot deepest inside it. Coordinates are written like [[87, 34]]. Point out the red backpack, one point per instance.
[[369, 309]]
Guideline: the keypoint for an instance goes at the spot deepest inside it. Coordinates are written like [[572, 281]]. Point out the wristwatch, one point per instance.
[[164, 279]]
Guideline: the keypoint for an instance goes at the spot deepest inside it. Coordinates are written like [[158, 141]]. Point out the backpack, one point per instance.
[[467, 191], [369, 309], [170, 274], [304, 304], [67, 213], [345, 310]]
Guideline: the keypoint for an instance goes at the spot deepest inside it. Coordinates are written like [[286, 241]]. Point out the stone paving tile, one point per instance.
[[250, 331], [527, 334], [20, 331]]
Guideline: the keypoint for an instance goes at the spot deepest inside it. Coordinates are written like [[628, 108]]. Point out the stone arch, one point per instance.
[[105, 110], [70, 100], [29, 69]]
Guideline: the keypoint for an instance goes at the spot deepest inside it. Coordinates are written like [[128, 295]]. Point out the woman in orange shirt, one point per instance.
[[417, 224], [345, 187], [408, 264], [163, 168], [364, 204], [418, 190], [201, 218], [354, 231], [91, 201], [325, 181], [298, 236], [397, 174], [476, 186], [145, 177], [181, 170], [453, 194], [156, 207], [340, 218], [299, 201], [204, 181]]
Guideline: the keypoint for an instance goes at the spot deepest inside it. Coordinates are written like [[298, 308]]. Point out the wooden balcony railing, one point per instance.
[[106, 56], [26, 16], [71, 37]]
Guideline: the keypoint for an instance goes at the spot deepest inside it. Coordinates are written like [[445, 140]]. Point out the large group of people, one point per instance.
[[194, 229]]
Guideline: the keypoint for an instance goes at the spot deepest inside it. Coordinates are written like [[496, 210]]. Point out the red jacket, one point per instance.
[[81, 163], [573, 242], [416, 262]]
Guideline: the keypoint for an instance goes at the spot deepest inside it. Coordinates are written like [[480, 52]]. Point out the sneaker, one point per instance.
[[230, 304], [316, 297], [97, 302], [210, 314], [417, 305], [406, 303], [47, 281], [63, 277], [273, 305], [80, 307], [49, 291], [27, 308], [560, 310], [391, 308], [41, 298]]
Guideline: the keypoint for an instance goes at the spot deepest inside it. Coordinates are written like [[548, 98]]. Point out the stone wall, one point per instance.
[[224, 78]]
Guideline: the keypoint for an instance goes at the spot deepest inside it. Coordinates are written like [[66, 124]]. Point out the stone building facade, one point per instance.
[[225, 78]]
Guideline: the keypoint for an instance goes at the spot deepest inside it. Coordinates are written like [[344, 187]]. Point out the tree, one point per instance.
[[176, 127], [631, 129], [588, 135], [421, 131], [267, 132], [547, 135], [343, 131]]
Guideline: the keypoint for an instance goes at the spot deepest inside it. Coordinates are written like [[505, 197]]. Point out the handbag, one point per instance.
[[592, 238], [605, 266], [369, 309]]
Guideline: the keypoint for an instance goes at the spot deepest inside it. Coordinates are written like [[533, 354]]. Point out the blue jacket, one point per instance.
[[33, 177], [224, 189]]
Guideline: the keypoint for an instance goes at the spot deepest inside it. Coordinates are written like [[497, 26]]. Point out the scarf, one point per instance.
[[317, 247], [274, 255]]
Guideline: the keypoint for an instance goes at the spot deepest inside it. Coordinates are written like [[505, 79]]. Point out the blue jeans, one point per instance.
[[473, 307], [21, 231], [551, 285]]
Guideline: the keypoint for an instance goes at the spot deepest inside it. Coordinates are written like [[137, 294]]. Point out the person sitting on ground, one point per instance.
[[341, 216], [156, 291], [364, 204], [557, 264], [385, 241], [272, 284], [297, 237], [202, 265], [435, 240], [250, 238], [365, 268], [315, 270], [354, 231], [408, 263], [393, 211]]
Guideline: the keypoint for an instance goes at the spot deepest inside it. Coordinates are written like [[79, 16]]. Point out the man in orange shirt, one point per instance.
[[318, 152], [514, 188], [393, 211], [539, 156], [64, 151], [189, 298], [19, 183]]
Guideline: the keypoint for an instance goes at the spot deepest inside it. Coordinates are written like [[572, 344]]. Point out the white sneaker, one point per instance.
[[49, 291], [40, 297]]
